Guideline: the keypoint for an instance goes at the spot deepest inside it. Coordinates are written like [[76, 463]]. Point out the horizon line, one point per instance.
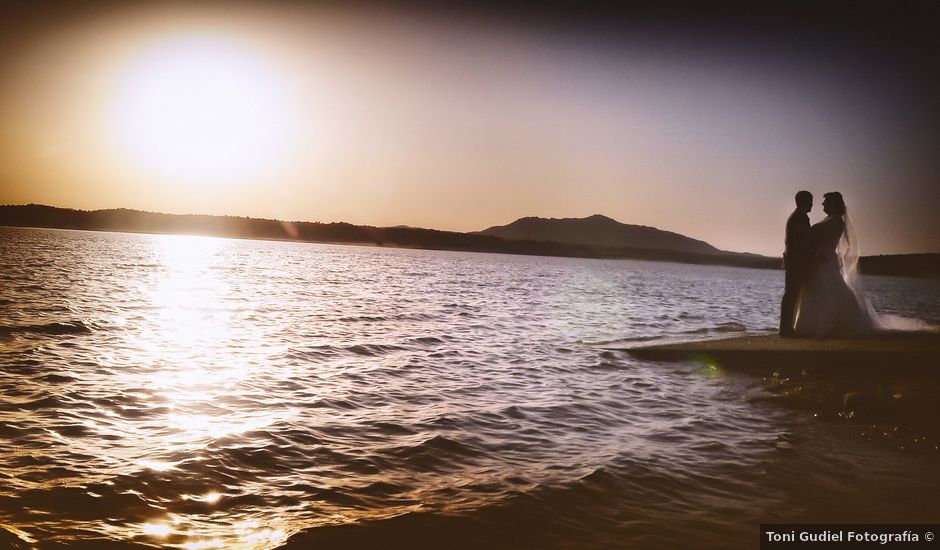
[[398, 226]]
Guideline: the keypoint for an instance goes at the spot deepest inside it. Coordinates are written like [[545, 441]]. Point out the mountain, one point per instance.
[[122, 219], [598, 230]]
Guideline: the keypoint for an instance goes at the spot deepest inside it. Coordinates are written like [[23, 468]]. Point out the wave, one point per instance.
[[362, 318], [629, 339], [13, 538], [437, 454], [313, 353], [427, 340], [326, 352], [372, 350], [67, 327], [383, 318], [721, 328], [577, 514]]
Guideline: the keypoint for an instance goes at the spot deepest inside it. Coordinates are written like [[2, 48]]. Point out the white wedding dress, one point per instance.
[[832, 302]]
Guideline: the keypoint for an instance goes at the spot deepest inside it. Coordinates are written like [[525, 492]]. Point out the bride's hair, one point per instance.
[[835, 202]]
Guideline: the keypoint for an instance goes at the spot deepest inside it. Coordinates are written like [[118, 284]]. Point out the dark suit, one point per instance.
[[797, 259]]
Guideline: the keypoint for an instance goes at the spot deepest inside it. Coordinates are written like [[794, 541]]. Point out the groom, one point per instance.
[[796, 260]]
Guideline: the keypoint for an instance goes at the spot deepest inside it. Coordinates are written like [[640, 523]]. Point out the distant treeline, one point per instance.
[[902, 265], [122, 219]]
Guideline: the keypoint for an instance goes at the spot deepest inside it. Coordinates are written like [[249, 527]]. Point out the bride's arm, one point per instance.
[[817, 240]]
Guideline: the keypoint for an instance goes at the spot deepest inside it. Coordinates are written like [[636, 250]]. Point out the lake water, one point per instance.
[[196, 392]]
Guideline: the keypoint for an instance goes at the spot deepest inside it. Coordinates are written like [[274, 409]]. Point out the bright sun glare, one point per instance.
[[203, 109]]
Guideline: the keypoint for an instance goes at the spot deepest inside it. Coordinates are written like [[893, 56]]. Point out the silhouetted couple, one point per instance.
[[823, 295]]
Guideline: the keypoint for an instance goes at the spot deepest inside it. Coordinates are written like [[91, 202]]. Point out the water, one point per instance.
[[174, 391]]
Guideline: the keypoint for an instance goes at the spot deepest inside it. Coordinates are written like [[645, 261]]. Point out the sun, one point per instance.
[[203, 109]]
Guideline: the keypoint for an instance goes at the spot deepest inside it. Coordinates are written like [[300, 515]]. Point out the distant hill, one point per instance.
[[902, 265], [122, 219], [598, 230]]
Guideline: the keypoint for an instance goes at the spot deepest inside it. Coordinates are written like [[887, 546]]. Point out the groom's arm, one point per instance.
[[803, 238]]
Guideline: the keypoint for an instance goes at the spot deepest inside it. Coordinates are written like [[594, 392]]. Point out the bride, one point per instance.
[[832, 302]]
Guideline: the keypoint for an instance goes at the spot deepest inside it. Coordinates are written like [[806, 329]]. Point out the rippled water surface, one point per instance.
[[200, 393]]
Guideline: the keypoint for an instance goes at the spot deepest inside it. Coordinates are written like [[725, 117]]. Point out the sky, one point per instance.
[[703, 120]]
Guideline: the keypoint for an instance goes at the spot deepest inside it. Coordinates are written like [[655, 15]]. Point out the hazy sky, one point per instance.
[[704, 123]]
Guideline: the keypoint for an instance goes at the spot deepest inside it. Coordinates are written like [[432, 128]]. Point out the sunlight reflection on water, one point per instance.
[[194, 374]]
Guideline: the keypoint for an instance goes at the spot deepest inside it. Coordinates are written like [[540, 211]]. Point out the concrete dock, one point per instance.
[[889, 353]]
